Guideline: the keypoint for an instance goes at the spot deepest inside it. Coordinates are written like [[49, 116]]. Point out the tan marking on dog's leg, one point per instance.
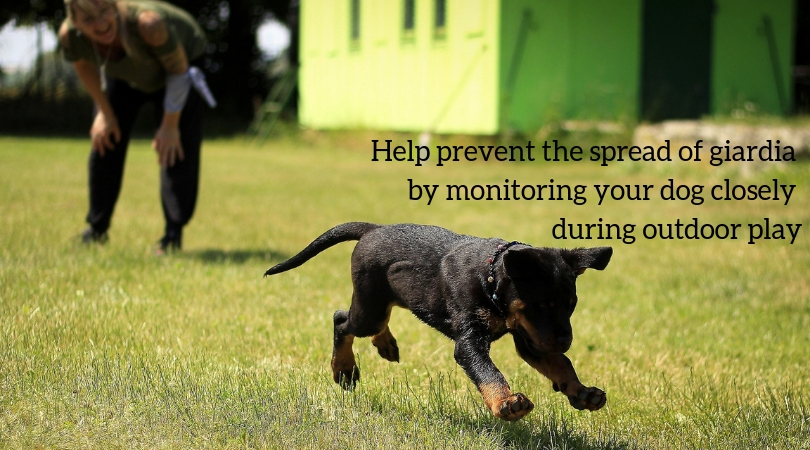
[[386, 345], [560, 371], [344, 366], [494, 394], [505, 405]]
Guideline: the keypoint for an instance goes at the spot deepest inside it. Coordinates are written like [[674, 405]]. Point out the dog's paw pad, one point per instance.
[[515, 407], [590, 398]]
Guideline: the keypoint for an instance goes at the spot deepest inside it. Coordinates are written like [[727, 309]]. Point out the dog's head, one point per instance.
[[544, 293]]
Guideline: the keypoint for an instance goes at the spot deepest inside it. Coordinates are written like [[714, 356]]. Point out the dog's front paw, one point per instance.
[[513, 407], [590, 398]]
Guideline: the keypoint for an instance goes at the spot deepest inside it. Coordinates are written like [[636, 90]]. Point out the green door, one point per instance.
[[676, 59]]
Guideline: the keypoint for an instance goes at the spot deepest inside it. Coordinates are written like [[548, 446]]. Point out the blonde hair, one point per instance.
[[94, 8]]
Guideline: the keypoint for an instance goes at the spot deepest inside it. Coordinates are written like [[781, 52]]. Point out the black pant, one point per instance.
[[178, 183]]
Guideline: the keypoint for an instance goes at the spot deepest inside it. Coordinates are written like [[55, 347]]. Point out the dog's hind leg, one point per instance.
[[372, 301], [344, 367], [368, 316], [359, 322], [385, 342]]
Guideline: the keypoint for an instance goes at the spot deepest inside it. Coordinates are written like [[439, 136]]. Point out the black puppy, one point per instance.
[[471, 289]]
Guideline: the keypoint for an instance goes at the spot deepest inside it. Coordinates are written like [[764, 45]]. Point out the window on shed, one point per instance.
[[410, 15], [439, 18], [355, 20]]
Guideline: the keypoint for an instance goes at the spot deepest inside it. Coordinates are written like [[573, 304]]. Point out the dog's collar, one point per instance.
[[492, 285]]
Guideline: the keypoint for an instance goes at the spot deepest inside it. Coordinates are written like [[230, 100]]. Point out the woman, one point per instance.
[[127, 54]]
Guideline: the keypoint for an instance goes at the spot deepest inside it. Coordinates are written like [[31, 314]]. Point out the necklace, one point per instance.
[[102, 65]]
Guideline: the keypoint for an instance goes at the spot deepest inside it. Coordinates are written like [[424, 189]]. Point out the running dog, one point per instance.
[[474, 291]]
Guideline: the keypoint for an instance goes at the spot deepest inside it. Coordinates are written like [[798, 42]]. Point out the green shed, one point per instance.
[[487, 66]]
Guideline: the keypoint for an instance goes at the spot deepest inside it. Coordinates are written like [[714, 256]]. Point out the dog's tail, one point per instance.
[[350, 231]]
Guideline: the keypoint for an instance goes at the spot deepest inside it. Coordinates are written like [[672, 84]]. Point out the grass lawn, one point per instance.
[[698, 343]]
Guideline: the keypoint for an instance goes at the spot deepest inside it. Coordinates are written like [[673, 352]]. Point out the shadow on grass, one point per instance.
[[549, 428], [236, 256], [552, 432]]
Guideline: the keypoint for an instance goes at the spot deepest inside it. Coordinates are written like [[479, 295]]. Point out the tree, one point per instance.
[[233, 62]]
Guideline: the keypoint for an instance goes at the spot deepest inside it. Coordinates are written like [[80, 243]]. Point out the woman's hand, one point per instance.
[[104, 133], [167, 145]]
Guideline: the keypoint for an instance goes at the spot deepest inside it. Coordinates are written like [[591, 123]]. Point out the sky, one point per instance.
[[18, 45]]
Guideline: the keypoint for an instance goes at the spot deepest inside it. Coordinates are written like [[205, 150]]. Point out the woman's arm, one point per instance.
[[155, 32], [105, 124]]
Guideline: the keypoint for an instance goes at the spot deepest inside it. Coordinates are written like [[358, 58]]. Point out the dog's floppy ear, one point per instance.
[[525, 263], [588, 258]]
